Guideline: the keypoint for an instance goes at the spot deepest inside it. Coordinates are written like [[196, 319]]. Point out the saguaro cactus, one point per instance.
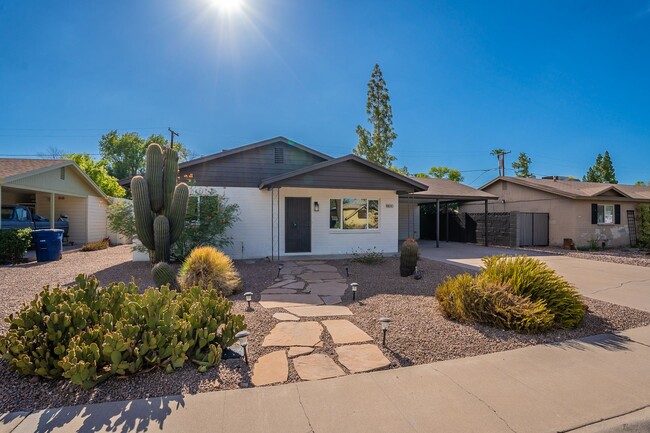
[[408, 258], [159, 204]]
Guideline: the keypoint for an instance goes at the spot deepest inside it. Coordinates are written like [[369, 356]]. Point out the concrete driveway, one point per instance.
[[611, 282]]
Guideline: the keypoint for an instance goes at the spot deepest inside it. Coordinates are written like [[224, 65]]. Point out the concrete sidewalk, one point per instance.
[[616, 283], [546, 388]]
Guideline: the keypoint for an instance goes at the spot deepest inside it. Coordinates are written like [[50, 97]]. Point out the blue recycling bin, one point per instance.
[[48, 244]]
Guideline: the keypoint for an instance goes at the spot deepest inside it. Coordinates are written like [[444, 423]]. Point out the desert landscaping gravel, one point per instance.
[[419, 332], [629, 256]]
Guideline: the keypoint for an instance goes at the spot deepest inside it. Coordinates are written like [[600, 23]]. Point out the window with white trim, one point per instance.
[[354, 214], [605, 214]]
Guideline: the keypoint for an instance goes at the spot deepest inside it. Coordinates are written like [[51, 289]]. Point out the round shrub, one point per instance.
[[210, 267]]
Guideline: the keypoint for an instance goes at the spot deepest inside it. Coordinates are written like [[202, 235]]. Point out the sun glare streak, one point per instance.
[[228, 6]]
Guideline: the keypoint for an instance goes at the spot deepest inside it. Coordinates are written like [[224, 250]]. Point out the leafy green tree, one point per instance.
[[96, 170], [602, 171], [375, 146], [422, 175], [521, 165], [121, 219], [404, 171], [497, 152], [442, 172], [124, 154], [642, 183]]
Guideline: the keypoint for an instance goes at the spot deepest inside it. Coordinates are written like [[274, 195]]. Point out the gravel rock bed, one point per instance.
[[632, 256], [419, 332]]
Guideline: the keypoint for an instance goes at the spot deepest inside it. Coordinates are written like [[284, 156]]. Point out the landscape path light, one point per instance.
[[354, 286], [249, 298], [242, 336], [347, 270], [385, 323], [280, 266]]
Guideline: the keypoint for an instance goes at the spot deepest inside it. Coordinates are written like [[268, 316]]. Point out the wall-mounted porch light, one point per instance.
[[316, 206]]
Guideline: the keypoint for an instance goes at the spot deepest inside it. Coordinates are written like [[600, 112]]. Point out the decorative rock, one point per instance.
[[281, 300], [328, 289], [271, 368], [362, 357], [320, 311], [278, 291], [331, 300], [294, 334], [316, 367], [285, 316], [345, 332], [298, 351]]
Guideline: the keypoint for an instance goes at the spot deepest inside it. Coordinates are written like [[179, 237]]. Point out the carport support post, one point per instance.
[[52, 203], [486, 223], [437, 223]]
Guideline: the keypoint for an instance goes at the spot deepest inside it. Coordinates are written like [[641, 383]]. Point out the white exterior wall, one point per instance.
[[252, 234], [96, 217], [409, 220]]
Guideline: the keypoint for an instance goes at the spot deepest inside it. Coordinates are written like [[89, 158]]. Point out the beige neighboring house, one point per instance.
[[51, 187], [584, 212]]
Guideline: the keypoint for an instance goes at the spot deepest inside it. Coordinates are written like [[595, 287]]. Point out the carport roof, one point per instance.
[[447, 190]]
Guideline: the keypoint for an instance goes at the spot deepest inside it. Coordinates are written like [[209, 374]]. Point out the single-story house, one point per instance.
[[51, 187], [548, 211], [294, 200]]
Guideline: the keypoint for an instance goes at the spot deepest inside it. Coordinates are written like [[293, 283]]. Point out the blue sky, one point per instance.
[[559, 80]]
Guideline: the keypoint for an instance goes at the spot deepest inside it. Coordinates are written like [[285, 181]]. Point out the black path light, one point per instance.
[[385, 323], [280, 266], [242, 336], [347, 270], [249, 298], [355, 287]]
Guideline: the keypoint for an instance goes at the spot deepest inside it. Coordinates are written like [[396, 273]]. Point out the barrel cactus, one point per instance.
[[408, 258], [159, 203]]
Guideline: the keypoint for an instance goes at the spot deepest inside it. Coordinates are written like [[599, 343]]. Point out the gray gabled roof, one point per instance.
[[251, 146], [447, 190], [268, 183]]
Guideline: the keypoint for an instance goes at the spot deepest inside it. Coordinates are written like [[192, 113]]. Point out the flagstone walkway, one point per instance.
[[309, 292]]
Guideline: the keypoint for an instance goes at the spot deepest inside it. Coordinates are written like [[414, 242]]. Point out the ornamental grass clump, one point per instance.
[[209, 266], [517, 293], [88, 333]]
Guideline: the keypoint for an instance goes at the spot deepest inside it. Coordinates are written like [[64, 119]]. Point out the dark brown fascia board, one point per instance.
[[267, 183], [246, 147], [447, 197]]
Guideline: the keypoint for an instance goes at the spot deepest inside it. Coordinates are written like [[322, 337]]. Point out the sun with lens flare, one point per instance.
[[229, 6]]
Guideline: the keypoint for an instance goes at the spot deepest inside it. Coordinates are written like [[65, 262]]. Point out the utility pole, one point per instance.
[[171, 142], [502, 162]]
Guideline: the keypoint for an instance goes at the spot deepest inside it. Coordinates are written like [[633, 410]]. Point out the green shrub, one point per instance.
[[368, 257], [518, 293], [209, 266], [120, 218], [87, 333], [95, 246], [643, 229], [14, 244]]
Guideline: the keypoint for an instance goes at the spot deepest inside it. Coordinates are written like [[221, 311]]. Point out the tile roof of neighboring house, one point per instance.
[[14, 167], [577, 190], [445, 189]]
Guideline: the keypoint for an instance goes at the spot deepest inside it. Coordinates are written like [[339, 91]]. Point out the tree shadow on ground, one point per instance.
[[604, 341], [125, 416]]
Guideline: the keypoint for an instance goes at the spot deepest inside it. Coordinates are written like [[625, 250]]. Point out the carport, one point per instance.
[[441, 191], [51, 187]]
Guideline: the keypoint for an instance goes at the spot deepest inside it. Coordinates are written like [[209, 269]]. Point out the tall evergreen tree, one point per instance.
[[375, 146], [602, 171], [522, 165]]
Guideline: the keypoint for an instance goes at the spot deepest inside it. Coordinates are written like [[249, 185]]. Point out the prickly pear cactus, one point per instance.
[[159, 204], [408, 258]]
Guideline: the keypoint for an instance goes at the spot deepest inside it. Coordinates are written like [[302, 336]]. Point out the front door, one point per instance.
[[297, 227]]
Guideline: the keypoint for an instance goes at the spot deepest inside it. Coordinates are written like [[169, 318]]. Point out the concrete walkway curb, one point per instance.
[[546, 388]]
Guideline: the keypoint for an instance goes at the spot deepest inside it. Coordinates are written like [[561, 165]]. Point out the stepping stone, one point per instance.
[[281, 284], [282, 300], [319, 311], [311, 276], [310, 263], [297, 285], [331, 300], [322, 268], [286, 316], [328, 289], [362, 357], [271, 368], [289, 264], [278, 291], [345, 332], [294, 334], [299, 351], [316, 367]]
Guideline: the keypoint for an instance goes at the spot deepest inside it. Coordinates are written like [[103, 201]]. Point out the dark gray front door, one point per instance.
[[297, 229]]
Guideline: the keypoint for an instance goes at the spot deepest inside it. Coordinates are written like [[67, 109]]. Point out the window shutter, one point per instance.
[[617, 214], [594, 213]]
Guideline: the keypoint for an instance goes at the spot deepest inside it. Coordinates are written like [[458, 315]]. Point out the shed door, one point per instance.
[[297, 228], [533, 229]]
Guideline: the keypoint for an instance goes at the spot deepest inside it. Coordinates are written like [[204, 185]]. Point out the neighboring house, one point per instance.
[[294, 200], [53, 187], [585, 212]]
